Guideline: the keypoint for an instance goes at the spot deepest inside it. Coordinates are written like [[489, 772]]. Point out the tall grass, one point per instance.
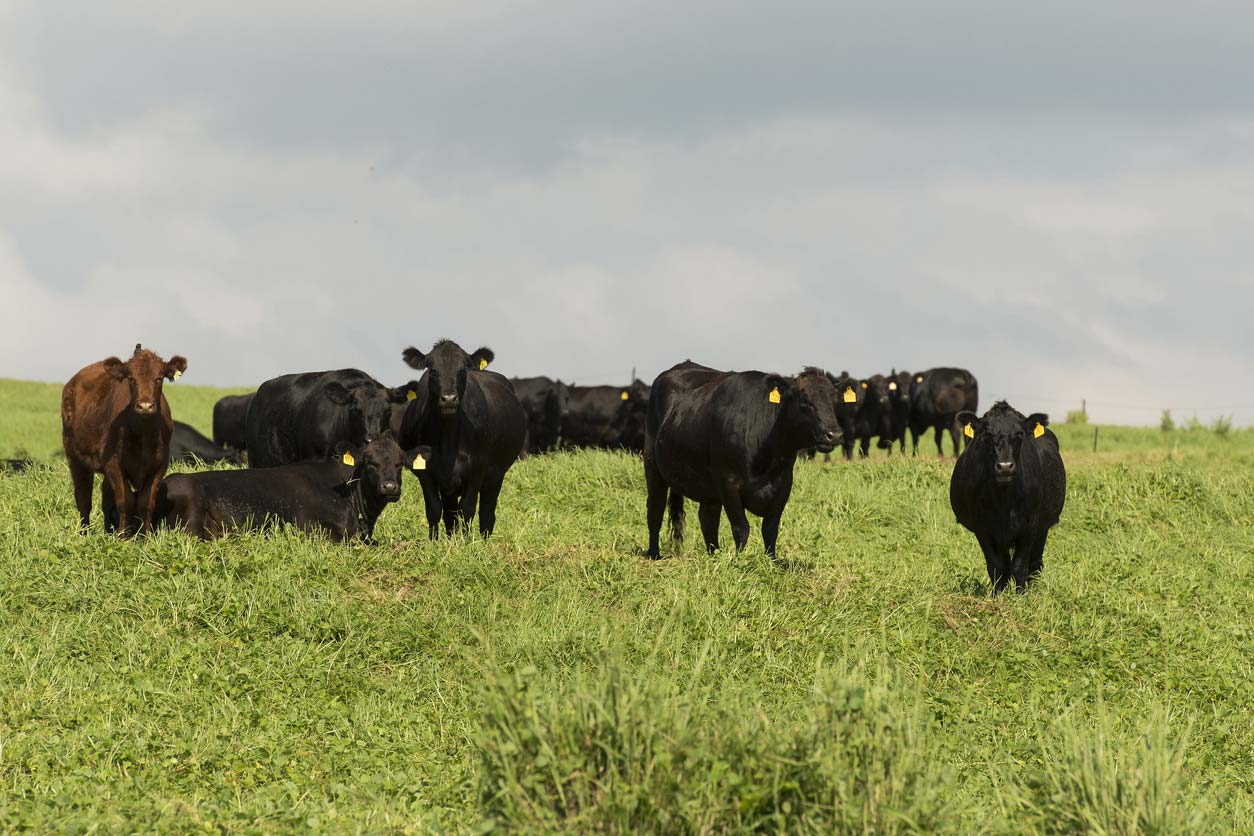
[[551, 679]]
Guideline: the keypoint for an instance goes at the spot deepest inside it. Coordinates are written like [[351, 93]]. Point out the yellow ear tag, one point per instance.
[[1039, 431], [919, 379], [419, 462], [892, 387], [483, 364], [624, 396], [850, 396], [968, 431], [177, 374], [349, 460], [864, 384], [411, 395], [774, 396]]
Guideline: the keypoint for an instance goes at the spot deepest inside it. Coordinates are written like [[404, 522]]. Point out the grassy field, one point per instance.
[[552, 680]]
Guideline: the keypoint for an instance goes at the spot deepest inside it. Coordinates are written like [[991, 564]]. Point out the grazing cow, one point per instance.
[[938, 396], [545, 402], [1008, 488], [342, 497], [301, 417], [900, 387], [476, 428], [189, 446], [115, 421], [875, 417], [729, 440], [610, 417], [229, 417], [15, 465]]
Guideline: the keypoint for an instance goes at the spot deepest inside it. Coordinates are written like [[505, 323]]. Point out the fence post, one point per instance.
[[1095, 439]]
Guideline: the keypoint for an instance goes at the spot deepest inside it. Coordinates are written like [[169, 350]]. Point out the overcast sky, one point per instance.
[[1059, 197]]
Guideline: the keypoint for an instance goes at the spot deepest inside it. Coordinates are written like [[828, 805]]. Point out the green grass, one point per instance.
[[552, 680]]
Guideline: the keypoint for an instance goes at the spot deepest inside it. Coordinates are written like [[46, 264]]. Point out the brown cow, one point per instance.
[[115, 421]]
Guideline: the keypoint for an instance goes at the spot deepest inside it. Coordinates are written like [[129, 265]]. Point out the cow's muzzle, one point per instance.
[[448, 403], [826, 441], [1004, 472], [145, 407], [389, 490]]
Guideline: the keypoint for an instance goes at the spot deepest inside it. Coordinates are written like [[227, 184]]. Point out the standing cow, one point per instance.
[[116, 421], [729, 440], [939, 395], [608, 417], [875, 417], [1008, 488], [849, 398], [230, 414], [546, 402], [475, 426], [900, 388], [301, 417]]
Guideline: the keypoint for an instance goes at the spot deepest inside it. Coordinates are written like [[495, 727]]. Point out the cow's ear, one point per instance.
[[404, 393], [346, 453], [175, 368], [337, 394], [777, 386], [116, 369], [481, 358], [419, 458], [969, 422], [414, 358], [1035, 420]]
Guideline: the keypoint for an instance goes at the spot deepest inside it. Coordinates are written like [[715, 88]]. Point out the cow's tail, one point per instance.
[[675, 506]]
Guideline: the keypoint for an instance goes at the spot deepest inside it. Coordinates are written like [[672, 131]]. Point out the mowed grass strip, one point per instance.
[[277, 682]]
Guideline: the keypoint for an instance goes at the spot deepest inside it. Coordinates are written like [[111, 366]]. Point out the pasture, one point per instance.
[[552, 680]]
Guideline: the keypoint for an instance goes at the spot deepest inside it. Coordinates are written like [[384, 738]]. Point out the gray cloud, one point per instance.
[[1057, 199]]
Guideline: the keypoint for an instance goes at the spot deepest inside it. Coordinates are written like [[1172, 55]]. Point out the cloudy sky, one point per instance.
[[1058, 196]]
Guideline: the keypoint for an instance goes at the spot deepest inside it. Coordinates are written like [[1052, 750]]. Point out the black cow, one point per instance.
[[1008, 488], [849, 398], [301, 417], [476, 429], [900, 387], [545, 402], [342, 497], [229, 416], [729, 440], [15, 465], [187, 445], [875, 416], [610, 417], [938, 396]]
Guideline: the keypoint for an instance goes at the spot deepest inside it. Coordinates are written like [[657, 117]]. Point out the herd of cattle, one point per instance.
[[326, 450]]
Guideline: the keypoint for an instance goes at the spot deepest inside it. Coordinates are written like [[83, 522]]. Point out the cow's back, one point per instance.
[[229, 416], [497, 418], [91, 402], [290, 419]]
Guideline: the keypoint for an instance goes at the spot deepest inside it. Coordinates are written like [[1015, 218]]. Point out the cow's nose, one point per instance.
[[389, 487], [832, 437], [1005, 468], [448, 400], [144, 406]]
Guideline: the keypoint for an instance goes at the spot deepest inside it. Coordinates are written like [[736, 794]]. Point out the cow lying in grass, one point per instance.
[[342, 497], [1008, 489]]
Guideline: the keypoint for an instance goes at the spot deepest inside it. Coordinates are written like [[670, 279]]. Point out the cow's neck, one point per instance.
[[366, 508], [780, 444]]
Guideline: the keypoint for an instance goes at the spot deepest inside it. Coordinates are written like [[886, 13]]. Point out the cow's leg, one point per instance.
[[998, 564], [708, 513], [433, 506], [81, 476], [468, 505], [654, 507], [957, 436], [848, 448], [770, 532], [865, 446], [148, 501], [108, 507], [123, 500], [914, 438], [730, 497], [487, 502], [1034, 559], [940, 433]]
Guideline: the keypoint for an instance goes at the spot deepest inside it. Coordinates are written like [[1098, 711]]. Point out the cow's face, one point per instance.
[[875, 388], [369, 407], [997, 438], [447, 367], [899, 388], [379, 465], [810, 402], [849, 394], [145, 373]]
